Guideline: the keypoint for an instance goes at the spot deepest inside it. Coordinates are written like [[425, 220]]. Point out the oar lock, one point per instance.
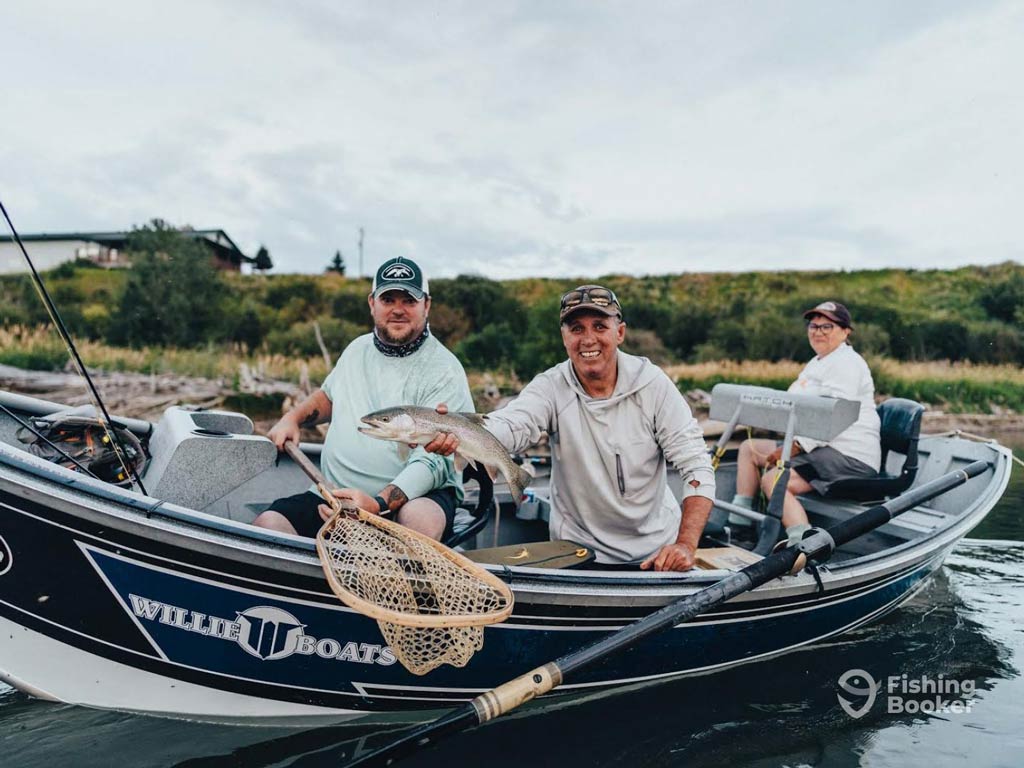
[[815, 546]]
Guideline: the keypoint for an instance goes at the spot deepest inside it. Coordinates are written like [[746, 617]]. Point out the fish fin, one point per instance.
[[528, 468], [403, 451], [492, 472], [476, 418], [460, 462], [518, 479]]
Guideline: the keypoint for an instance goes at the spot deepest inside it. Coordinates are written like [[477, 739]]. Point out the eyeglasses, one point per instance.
[[601, 297], [825, 328]]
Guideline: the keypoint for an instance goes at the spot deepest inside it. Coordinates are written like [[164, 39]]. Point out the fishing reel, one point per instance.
[[83, 444]]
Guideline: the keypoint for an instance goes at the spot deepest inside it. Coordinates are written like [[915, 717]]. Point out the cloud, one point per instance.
[[528, 138]]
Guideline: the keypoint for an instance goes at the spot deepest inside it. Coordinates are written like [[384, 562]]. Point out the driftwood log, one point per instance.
[[139, 395]]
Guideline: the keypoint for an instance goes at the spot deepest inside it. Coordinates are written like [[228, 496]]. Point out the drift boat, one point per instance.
[[172, 604]]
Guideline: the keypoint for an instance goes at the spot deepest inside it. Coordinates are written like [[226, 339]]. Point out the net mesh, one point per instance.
[[431, 604]]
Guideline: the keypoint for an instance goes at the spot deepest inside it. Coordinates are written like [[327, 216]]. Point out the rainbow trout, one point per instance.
[[414, 425]]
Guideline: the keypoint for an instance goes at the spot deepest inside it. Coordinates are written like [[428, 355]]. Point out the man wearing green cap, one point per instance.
[[399, 363]]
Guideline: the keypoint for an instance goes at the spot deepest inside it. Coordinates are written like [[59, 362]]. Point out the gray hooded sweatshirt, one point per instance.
[[609, 486]]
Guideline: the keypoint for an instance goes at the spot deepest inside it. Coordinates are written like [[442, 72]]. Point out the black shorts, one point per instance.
[[301, 510], [825, 465]]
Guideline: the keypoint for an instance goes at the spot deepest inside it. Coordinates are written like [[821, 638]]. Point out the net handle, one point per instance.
[[307, 466], [322, 485]]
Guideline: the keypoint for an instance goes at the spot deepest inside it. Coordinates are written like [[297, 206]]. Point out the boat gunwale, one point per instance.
[[284, 549]]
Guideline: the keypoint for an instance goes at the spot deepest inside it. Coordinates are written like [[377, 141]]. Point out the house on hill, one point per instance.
[[106, 249]]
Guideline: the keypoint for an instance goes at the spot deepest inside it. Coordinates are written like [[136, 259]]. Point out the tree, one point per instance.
[[173, 292], [482, 300], [337, 264], [263, 262], [1003, 299]]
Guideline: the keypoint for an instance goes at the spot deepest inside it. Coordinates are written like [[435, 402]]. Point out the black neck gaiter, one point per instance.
[[400, 350]]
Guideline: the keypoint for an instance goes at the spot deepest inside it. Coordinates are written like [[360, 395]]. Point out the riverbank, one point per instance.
[[146, 396]]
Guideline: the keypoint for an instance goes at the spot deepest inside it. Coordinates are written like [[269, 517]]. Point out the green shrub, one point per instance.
[[300, 339]]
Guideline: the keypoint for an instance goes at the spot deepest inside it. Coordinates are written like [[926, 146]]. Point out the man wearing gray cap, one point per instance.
[[399, 363], [615, 422]]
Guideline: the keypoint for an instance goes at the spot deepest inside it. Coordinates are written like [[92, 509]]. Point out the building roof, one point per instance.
[[217, 239]]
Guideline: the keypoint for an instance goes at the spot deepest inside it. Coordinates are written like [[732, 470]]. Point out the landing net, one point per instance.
[[431, 603]]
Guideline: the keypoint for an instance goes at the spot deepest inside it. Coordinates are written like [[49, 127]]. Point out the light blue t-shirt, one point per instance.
[[365, 380]]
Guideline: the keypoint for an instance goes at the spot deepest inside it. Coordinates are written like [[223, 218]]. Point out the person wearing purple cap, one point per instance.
[[835, 371]]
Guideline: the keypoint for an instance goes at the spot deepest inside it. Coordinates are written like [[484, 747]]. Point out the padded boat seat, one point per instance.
[[900, 431], [200, 456]]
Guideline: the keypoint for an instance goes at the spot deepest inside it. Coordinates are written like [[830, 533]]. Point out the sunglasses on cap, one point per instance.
[[599, 297]]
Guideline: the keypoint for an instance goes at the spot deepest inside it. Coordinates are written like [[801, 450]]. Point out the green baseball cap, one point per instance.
[[400, 274]]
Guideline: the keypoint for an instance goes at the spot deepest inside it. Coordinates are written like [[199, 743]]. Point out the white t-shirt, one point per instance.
[[843, 373]]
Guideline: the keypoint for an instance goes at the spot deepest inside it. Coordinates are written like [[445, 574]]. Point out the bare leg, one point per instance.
[[275, 521], [748, 464], [793, 512], [424, 516]]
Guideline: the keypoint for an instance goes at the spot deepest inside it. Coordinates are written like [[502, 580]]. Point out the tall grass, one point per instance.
[[41, 349], [758, 372], [954, 387]]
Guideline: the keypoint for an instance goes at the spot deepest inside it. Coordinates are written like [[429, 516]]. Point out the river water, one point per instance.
[[967, 626]]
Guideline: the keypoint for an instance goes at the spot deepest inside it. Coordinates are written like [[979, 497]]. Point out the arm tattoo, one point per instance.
[[394, 496], [311, 420]]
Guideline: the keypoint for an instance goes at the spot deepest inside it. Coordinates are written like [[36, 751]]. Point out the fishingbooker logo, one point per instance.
[[859, 683], [905, 694], [265, 632], [6, 558]]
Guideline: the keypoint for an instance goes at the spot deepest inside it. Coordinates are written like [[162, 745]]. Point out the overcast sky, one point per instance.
[[514, 139]]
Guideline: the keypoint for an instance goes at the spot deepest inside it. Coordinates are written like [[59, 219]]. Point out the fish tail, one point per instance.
[[518, 479]]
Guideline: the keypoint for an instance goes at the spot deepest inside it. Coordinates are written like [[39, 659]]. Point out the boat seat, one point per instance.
[[900, 431], [469, 522], [199, 457]]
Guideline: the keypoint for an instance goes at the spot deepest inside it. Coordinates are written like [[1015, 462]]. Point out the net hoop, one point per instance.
[[502, 594]]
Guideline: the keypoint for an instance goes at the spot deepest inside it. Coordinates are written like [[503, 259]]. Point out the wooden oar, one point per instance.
[[818, 547]]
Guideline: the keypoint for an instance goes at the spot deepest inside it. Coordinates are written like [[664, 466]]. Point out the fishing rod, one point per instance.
[[105, 421]]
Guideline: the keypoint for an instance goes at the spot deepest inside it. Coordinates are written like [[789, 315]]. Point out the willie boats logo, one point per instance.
[[263, 631]]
